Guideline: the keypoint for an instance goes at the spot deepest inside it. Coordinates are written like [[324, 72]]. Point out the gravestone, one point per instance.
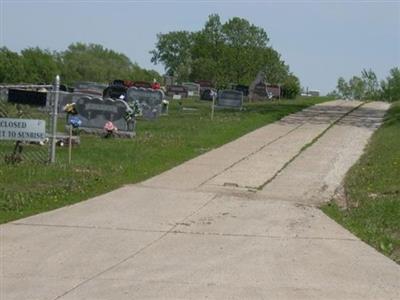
[[142, 84], [207, 94], [229, 99], [242, 88], [258, 88], [148, 100], [3, 94], [28, 97], [115, 91], [96, 112], [205, 85], [274, 91], [64, 98], [192, 88], [169, 80], [176, 90], [91, 88], [260, 91]]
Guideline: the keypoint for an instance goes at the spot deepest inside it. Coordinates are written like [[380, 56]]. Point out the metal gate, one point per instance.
[[28, 102]]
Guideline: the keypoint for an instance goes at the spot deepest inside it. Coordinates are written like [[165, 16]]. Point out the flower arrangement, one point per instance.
[[70, 109], [110, 129], [75, 122], [129, 115], [136, 111]]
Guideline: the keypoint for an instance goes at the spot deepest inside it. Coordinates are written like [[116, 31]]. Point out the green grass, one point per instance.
[[372, 189], [100, 165]]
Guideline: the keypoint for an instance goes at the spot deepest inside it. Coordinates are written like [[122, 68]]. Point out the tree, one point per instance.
[[275, 69], [40, 66], [140, 74], [391, 87], [291, 87], [11, 66], [371, 84], [343, 88], [173, 49], [243, 42], [92, 62], [225, 53], [357, 88], [208, 51]]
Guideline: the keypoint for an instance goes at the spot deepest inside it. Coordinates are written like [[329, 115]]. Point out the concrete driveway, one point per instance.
[[239, 222]]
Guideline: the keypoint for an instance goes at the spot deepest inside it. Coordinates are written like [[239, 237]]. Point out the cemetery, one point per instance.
[[194, 160], [115, 109], [138, 128]]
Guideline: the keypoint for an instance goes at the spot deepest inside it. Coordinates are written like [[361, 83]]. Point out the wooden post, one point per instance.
[[212, 107], [70, 144]]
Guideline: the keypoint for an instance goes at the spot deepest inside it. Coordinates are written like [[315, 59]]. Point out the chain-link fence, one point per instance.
[[25, 102]]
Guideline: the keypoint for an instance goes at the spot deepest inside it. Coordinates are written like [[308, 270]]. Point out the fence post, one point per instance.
[[54, 121], [213, 108]]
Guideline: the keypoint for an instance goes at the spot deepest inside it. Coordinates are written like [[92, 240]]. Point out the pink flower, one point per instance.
[[110, 127]]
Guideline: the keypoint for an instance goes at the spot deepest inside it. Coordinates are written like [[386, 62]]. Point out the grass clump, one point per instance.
[[100, 165], [372, 188]]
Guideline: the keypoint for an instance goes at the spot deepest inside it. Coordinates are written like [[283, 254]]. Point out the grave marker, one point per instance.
[[142, 84], [192, 88], [96, 112], [27, 97], [176, 90], [91, 88], [149, 101], [229, 99], [258, 88]]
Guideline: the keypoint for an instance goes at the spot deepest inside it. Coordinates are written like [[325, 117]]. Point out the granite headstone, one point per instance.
[[229, 99], [192, 88], [148, 100], [96, 112]]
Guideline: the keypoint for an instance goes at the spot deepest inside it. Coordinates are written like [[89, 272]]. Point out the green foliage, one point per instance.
[[290, 87], [100, 165], [139, 74], [372, 91], [354, 89], [11, 66], [39, 65], [80, 62], [357, 88], [343, 88], [367, 87], [373, 190], [173, 49], [391, 87], [225, 53]]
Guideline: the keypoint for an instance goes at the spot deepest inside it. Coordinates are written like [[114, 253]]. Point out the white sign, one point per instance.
[[177, 97], [22, 130]]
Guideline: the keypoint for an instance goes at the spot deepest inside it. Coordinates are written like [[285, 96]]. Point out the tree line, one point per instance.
[[367, 87], [79, 62], [224, 53]]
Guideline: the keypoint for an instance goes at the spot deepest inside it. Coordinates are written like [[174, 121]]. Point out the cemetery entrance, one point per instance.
[[26, 123]]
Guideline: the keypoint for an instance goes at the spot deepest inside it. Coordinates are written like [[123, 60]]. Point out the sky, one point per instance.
[[319, 40]]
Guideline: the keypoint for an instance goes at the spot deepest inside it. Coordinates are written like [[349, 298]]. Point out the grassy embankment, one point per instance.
[[372, 189], [100, 165]]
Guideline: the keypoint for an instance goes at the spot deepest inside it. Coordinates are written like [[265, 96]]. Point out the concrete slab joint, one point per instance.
[[222, 234]]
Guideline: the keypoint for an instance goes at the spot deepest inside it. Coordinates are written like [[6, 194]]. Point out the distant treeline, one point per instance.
[[224, 53], [80, 62], [230, 53], [367, 87]]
